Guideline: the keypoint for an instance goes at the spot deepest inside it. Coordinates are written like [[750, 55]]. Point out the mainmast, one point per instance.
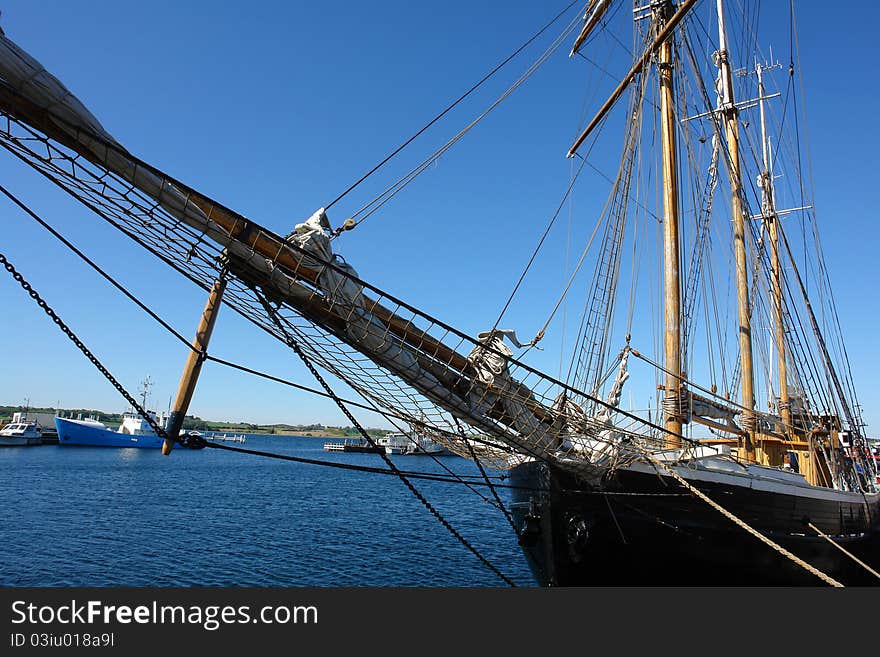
[[729, 113], [768, 211], [671, 240]]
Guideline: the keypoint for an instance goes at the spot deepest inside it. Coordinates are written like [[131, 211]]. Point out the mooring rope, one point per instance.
[[754, 532], [844, 550]]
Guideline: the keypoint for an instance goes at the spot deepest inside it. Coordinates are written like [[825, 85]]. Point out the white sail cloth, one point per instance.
[[492, 382], [493, 386], [594, 437], [346, 296]]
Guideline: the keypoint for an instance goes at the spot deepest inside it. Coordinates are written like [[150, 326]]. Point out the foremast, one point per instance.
[[729, 112]]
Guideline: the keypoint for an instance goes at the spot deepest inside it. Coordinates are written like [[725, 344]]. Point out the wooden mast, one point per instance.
[[729, 113], [770, 216], [193, 365], [671, 240]]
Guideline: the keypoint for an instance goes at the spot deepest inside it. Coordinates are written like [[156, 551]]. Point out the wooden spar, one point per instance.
[[592, 20], [232, 230], [317, 310], [671, 241], [193, 365], [246, 239], [243, 237], [280, 252], [731, 127], [770, 216], [661, 37], [227, 225], [231, 225]]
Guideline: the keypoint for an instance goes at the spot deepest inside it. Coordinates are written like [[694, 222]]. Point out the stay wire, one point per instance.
[[93, 265], [367, 210], [451, 106]]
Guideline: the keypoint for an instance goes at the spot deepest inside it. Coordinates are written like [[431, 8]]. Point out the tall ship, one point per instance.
[[701, 289]]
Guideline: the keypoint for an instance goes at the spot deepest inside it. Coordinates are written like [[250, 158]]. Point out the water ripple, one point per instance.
[[129, 517]]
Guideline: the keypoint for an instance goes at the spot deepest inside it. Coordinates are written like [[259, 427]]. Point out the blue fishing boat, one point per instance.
[[134, 431]]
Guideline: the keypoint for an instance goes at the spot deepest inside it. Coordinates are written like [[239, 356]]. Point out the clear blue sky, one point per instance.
[[273, 108]]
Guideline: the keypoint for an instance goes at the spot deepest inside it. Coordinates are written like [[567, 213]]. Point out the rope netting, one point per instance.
[[398, 358]]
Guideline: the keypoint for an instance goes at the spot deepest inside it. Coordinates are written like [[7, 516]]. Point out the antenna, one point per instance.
[[145, 389]]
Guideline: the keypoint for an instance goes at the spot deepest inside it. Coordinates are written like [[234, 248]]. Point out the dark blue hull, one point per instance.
[[78, 433]]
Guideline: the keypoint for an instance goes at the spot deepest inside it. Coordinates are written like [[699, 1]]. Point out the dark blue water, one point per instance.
[[82, 516]]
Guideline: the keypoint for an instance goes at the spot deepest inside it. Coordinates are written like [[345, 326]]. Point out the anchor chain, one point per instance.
[[82, 347]]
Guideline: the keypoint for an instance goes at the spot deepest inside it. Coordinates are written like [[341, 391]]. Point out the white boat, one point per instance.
[[424, 446], [394, 443], [410, 445], [21, 434], [352, 445]]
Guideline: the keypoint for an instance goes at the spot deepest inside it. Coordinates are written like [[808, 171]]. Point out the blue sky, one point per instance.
[[275, 108]]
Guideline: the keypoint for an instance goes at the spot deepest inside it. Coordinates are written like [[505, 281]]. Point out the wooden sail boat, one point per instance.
[[602, 494]]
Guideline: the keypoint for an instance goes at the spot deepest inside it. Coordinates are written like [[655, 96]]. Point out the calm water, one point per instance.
[[82, 516]]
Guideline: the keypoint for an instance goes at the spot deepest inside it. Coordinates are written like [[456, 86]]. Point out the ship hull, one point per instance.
[[76, 433], [640, 528]]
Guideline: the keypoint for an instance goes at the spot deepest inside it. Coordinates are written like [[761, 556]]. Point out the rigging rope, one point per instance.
[[451, 106], [370, 208]]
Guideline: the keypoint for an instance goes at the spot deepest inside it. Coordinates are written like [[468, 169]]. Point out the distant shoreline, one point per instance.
[[193, 423]]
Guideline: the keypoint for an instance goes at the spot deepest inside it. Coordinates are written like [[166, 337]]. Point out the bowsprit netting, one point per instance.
[[396, 357]]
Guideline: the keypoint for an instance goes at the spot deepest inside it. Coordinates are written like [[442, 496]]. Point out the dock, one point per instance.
[[360, 446], [226, 438]]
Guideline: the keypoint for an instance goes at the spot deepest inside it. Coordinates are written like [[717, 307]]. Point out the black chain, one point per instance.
[[160, 431], [273, 313], [491, 486], [85, 350]]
